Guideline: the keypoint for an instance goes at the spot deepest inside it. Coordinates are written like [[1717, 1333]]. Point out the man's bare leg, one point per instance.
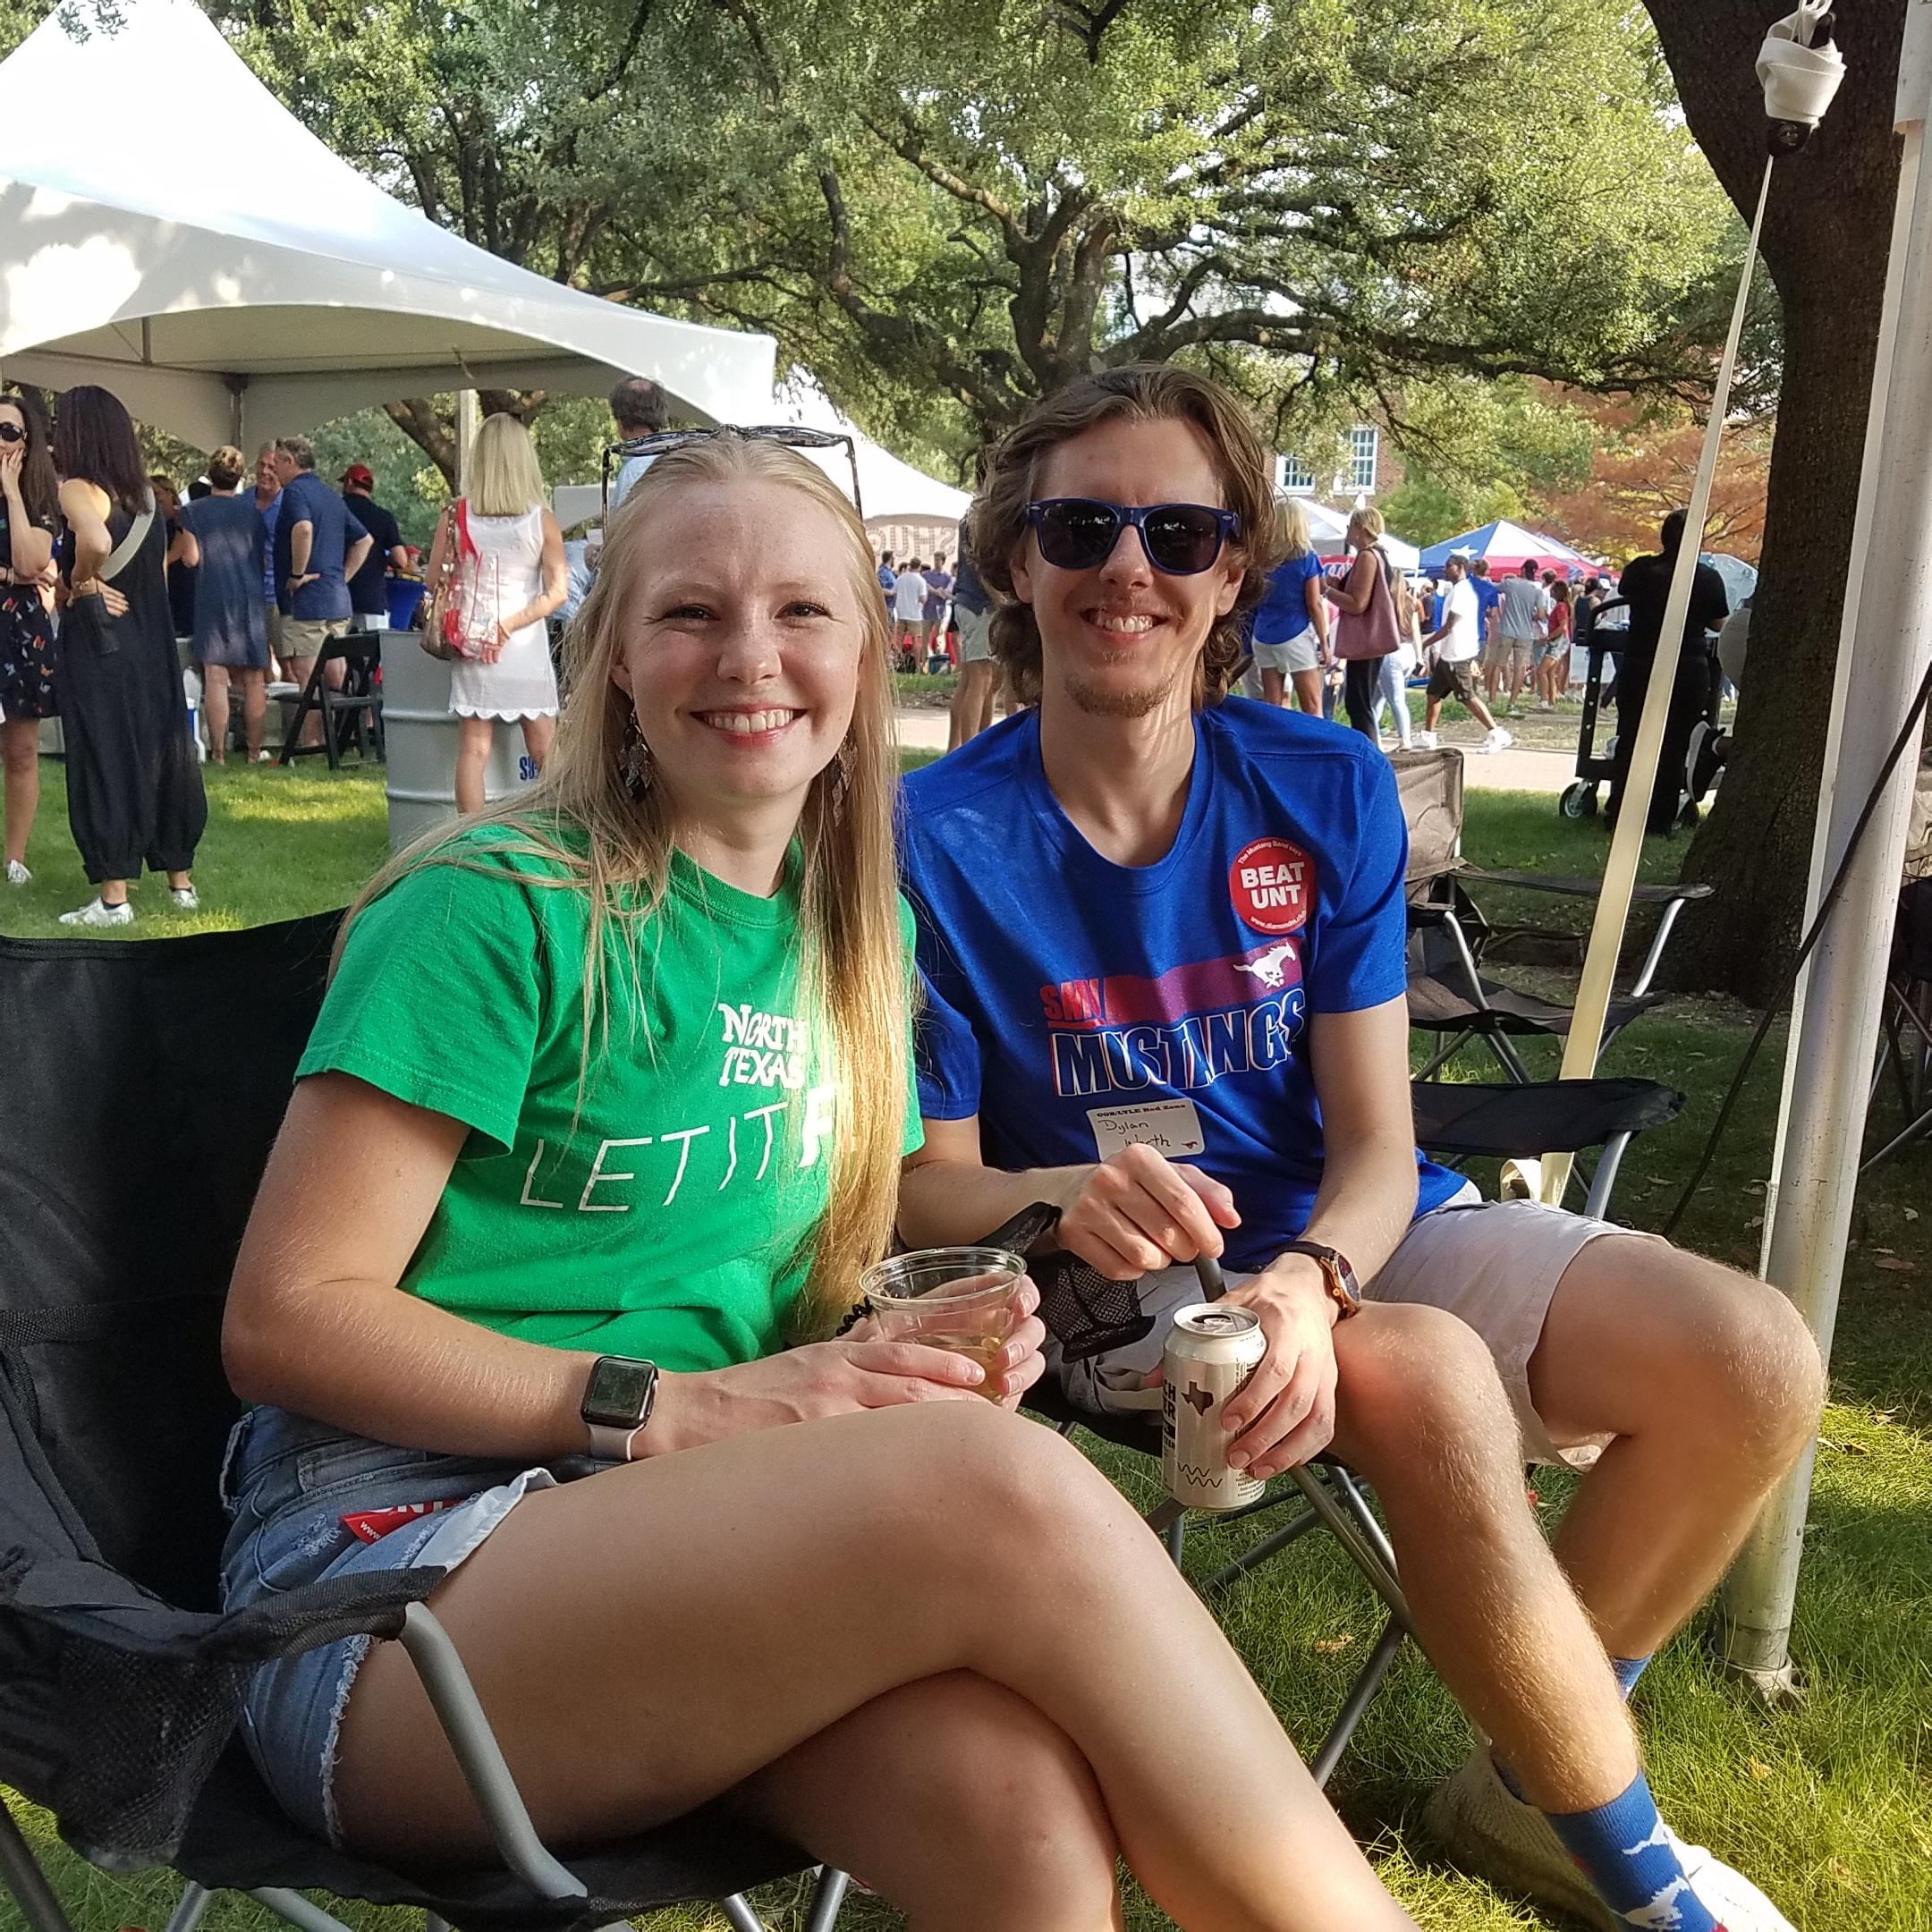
[[1422, 1415], [1711, 1385]]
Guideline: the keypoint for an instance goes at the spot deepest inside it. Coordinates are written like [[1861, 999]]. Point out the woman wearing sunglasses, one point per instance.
[[28, 518], [823, 1579]]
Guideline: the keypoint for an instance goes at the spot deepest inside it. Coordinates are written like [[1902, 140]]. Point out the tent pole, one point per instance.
[[1585, 1040], [1887, 636], [469, 420]]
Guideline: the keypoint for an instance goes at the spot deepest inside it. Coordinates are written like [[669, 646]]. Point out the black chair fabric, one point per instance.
[[147, 1082], [1467, 1120]]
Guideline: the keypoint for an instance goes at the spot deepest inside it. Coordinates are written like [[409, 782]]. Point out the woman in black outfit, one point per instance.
[[133, 786], [27, 520]]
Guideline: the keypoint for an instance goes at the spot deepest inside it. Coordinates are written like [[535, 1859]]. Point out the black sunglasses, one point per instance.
[[11, 432], [791, 434], [1181, 540]]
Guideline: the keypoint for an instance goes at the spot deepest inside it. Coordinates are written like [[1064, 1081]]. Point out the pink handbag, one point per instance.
[[1373, 632]]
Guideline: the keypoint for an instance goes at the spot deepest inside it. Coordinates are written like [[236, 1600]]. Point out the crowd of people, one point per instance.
[[1129, 891]]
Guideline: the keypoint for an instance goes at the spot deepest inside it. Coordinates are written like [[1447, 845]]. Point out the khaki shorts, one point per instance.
[[1494, 1264], [1509, 655], [975, 635], [1301, 652], [304, 637]]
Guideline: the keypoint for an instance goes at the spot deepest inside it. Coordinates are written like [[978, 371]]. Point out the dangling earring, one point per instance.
[[634, 762]]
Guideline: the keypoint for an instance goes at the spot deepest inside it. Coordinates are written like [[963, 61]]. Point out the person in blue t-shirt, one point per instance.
[[1163, 942], [1290, 622], [319, 544]]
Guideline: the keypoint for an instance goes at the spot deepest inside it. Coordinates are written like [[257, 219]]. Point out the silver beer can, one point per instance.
[[1212, 1351]]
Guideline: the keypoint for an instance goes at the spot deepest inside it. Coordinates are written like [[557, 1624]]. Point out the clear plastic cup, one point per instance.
[[957, 1298]]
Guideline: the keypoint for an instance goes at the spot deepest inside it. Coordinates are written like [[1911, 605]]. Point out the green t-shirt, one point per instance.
[[662, 1212]]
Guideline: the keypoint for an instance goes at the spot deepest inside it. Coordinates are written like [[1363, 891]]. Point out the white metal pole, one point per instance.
[[1888, 636], [469, 420], [1585, 1040]]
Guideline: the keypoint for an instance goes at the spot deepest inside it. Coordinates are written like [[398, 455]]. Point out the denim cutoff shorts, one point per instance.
[[287, 1484]]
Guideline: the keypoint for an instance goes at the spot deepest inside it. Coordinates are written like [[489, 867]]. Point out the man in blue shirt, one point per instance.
[[1163, 941], [318, 545], [1488, 597], [638, 408]]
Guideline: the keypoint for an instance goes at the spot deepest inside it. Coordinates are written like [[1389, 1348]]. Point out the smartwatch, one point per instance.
[[1338, 1278], [617, 1402]]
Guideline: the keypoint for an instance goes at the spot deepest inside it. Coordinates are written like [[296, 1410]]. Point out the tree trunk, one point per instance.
[[435, 434], [1824, 244]]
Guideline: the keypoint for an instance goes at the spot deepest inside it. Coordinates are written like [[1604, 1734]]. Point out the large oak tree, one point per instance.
[[1825, 245], [948, 207]]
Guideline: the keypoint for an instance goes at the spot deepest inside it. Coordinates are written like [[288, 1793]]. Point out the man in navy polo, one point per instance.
[[319, 544]]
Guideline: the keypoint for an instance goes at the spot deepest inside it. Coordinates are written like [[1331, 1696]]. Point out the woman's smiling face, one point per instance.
[[740, 643]]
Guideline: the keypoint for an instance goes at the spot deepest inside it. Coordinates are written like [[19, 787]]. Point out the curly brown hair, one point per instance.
[[1138, 393]]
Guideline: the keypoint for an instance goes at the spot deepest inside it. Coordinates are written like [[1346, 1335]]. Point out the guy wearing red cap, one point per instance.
[[368, 594]]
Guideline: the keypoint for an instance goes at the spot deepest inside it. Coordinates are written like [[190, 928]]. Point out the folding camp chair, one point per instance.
[[129, 1158], [1451, 939], [351, 711], [1905, 1036], [1453, 1122]]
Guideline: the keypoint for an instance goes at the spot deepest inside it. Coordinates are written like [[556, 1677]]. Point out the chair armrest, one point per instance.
[[1661, 893]]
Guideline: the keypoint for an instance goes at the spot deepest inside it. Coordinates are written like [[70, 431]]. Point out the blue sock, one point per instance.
[[1626, 1856], [1627, 1670]]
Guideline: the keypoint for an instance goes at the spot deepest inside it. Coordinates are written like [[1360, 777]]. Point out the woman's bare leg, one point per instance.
[[20, 751], [254, 710], [1308, 692], [473, 738], [538, 732], [215, 697], [1274, 687], [718, 1609], [958, 1803]]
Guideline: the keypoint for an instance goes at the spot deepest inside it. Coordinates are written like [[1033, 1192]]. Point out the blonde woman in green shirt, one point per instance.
[[610, 1091]]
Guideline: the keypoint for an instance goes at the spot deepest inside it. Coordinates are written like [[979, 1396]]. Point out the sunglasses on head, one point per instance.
[[792, 436], [11, 432], [1181, 540]]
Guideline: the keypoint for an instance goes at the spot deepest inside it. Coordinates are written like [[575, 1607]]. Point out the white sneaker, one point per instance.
[[17, 873], [1498, 740], [1425, 740], [1475, 1818], [263, 758], [94, 913], [182, 899]]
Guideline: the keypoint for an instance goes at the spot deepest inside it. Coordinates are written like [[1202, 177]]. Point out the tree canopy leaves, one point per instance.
[[945, 208]]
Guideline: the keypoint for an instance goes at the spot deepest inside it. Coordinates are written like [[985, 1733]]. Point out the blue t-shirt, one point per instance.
[[307, 499], [1075, 1005], [1487, 596], [271, 515], [1283, 612]]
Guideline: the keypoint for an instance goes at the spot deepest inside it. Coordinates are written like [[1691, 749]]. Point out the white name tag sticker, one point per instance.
[[1170, 1127]]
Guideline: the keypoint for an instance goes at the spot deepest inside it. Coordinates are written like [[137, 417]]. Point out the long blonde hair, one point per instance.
[[580, 817], [508, 480], [1294, 520]]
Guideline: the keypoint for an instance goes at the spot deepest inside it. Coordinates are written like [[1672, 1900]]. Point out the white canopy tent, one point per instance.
[[255, 297], [1328, 536], [890, 489]]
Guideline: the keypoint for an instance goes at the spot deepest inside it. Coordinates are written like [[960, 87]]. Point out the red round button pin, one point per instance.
[[1271, 883]]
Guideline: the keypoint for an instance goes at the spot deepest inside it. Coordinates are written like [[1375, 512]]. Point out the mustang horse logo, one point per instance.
[[1267, 967]]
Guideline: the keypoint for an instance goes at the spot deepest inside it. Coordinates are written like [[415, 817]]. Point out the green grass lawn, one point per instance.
[[1829, 1806]]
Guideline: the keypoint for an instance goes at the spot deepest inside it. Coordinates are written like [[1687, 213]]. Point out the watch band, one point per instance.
[[614, 1444], [1338, 1278]]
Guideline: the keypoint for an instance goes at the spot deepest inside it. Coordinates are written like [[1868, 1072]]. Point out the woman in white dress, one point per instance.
[[515, 578]]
